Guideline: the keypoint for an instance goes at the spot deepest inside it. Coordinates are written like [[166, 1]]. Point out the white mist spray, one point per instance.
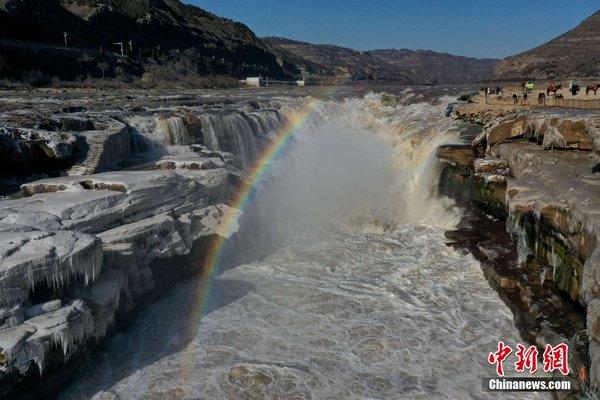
[[367, 163]]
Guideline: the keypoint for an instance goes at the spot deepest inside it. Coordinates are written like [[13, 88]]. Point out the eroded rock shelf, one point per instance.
[[137, 195]]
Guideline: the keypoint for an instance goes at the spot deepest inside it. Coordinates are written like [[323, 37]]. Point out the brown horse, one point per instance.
[[553, 89], [592, 88]]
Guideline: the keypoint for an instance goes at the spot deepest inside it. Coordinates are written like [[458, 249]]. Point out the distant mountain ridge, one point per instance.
[[575, 53], [164, 40], [394, 65]]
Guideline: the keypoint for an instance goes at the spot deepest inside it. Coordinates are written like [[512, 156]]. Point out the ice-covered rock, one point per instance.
[[32, 341], [79, 251], [104, 298], [12, 316], [155, 237], [163, 236], [189, 162], [32, 143], [11, 221], [492, 165], [148, 192], [123, 257], [553, 131], [94, 203], [42, 308], [53, 258], [212, 186], [105, 149], [83, 210], [12, 347], [204, 151], [219, 220]]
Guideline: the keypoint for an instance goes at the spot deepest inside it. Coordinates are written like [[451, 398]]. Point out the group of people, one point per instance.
[[541, 98], [574, 87], [488, 90], [528, 88]]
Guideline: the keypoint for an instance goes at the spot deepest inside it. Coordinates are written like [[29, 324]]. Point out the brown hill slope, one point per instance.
[[404, 66], [575, 53], [438, 67]]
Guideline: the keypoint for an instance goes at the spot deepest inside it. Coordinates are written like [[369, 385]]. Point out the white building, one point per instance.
[[253, 81]]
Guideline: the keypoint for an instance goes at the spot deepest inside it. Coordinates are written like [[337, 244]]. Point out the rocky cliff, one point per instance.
[[538, 171], [140, 191], [572, 54], [404, 66]]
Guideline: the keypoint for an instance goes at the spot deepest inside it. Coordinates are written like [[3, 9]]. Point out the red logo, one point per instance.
[[499, 357], [555, 358], [527, 359]]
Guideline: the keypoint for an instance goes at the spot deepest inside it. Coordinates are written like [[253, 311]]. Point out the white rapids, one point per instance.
[[343, 286]]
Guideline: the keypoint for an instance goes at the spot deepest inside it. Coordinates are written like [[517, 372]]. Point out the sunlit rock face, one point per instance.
[[543, 166]]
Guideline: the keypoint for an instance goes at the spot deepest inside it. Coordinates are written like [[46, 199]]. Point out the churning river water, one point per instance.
[[339, 285]]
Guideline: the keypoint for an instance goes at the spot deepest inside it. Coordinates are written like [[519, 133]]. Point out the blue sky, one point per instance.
[[477, 28]]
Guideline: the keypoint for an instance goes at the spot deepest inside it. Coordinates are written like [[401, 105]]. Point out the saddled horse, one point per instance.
[[553, 89], [592, 88]]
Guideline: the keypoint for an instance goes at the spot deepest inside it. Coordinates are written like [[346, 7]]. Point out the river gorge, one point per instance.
[[351, 267]]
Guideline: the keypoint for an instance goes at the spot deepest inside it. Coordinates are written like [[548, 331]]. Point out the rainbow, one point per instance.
[[238, 203]]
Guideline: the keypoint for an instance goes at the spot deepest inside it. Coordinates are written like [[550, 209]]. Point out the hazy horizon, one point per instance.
[[474, 29]]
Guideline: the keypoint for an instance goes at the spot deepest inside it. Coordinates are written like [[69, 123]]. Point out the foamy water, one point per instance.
[[352, 294]]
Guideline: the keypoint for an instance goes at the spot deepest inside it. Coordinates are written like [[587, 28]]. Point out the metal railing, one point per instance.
[[23, 44]]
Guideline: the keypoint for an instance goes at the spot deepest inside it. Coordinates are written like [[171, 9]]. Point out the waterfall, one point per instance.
[[177, 132], [338, 285], [363, 160], [360, 163], [244, 134], [242, 131], [373, 153]]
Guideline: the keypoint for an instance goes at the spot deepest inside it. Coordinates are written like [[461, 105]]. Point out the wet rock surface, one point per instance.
[[457, 154]]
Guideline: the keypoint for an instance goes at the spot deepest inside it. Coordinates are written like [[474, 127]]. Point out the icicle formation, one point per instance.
[[54, 258], [32, 341]]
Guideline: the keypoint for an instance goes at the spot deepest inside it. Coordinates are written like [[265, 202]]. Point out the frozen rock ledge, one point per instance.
[[79, 252]]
